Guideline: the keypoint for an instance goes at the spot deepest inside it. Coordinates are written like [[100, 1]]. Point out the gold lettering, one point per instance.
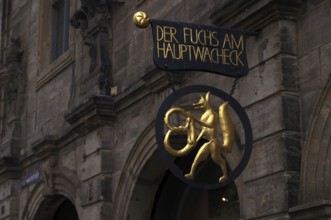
[[176, 50], [169, 49], [208, 38], [198, 35], [190, 51], [199, 45], [158, 48], [183, 49], [173, 31], [231, 60], [214, 55], [216, 41], [238, 60], [235, 58], [225, 53], [186, 34], [207, 54], [166, 32], [226, 41], [198, 52], [225, 56], [159, 33], [238, 44]]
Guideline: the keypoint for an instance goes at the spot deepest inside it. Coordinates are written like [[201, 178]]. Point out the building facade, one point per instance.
[[79, 94]]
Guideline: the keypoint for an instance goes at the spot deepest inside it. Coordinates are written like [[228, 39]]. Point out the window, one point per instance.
[[60, 26], [56, 39]]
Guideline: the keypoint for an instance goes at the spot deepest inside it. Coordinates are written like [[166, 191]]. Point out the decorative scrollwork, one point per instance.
[[141, 19]]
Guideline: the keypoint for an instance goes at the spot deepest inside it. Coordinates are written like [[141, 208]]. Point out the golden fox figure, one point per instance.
[[209, 122]]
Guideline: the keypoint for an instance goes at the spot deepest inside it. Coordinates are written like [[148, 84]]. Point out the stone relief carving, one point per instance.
[[47, 168], [12, 88], [94, 21], [13, 52], [13, 55]]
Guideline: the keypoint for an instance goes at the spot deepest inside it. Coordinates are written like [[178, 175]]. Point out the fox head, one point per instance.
[[203, 102]]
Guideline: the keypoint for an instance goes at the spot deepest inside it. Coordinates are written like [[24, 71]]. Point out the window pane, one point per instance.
[[60, 35]]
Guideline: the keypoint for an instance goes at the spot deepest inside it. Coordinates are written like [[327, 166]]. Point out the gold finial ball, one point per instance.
[[141, 19]]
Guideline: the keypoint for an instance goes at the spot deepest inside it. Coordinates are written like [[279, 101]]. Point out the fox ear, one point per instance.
[[201, 97], [207, 97]]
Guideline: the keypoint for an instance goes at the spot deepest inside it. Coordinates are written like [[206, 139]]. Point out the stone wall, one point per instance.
[[269, 93], [97, 148], [314, 77]]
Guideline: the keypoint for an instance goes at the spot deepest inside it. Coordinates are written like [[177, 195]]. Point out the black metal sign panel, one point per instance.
[[184, 46]]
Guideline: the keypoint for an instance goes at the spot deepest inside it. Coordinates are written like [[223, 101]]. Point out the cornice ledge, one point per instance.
[[157, 80], [97, 111], [314, 210], [130, 96], [154, 81], [251, 15], [45, 147]]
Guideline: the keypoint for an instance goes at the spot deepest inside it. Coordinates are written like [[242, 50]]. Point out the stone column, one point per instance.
[[270, 96], [9, 188]]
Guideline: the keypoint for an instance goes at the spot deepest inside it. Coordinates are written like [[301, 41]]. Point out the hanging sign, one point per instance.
[[185, 46], [201, 135], [196, 138]]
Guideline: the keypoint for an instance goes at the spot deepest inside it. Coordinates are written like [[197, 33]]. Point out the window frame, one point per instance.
[[56, 7], [49, 68]]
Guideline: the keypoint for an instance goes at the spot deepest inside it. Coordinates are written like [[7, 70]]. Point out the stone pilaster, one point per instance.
[[93, 122], [270, 94], [10, 172], [12, 89]]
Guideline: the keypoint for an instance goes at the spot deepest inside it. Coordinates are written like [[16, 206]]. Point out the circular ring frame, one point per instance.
[[159, 133]]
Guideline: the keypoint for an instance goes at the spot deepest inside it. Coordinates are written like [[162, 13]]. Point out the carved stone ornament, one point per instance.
[[48, 167], [94, 21], [13, 52], [12, 89]]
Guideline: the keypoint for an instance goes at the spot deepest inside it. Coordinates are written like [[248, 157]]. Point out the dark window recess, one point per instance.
[[60, 28]]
